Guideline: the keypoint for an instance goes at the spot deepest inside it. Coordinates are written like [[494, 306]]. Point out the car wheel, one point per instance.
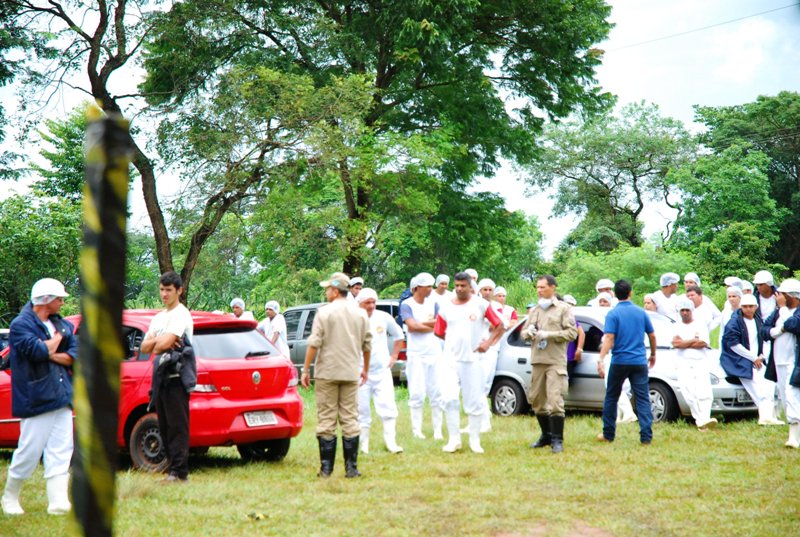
[[146, 446], [508, 398], [662, 403], [266, 450]]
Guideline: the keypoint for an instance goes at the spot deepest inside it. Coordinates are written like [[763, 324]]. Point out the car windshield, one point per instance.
[[220, 345]]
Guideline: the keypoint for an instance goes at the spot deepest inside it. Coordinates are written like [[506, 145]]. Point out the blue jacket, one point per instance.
[[39, 385], [736, 332]]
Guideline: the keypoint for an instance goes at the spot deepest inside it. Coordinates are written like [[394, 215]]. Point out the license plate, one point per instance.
[[261, 418], [743, 397]]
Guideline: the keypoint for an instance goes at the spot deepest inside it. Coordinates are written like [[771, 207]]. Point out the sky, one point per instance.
[[674, 53], [713, 63]]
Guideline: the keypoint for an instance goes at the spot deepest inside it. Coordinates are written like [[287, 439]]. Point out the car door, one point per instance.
[[293, 332], [588, 389]]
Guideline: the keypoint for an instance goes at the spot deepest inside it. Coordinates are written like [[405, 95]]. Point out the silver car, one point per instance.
[[587, 390]]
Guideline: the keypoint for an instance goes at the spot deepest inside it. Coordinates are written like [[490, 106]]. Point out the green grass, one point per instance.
[[738, 480]]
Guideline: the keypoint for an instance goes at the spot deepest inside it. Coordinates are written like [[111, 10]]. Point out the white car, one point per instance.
[[587, 389]]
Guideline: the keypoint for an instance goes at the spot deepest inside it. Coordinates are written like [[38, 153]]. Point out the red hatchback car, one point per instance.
[[246, 393]]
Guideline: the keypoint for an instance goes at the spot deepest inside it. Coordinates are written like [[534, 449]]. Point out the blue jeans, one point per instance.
[[640, 383]]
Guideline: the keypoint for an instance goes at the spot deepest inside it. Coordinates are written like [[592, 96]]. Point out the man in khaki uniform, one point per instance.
[[550, 327], [339, 336]]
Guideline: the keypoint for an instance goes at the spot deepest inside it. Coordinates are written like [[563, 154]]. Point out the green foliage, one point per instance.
[[607, 168]]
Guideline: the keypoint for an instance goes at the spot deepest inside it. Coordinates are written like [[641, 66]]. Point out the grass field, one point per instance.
[[737, 480]]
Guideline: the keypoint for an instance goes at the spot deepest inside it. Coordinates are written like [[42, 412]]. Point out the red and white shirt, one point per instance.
[[462, 327]]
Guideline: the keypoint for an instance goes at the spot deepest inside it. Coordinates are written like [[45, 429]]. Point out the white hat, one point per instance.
[[237, 302], [749, 300], [273, 305], [733, 290], [669, 278], [747, 286], [569, 299], [356, 280], [442, 278], [684, 304], [692, 276], [367, 293], [604, 295], [500, 290], [732, 281], [604, 283], [790, 286], [472, 273], [46, 290], [423, 279], [486, 282], [763, 276]]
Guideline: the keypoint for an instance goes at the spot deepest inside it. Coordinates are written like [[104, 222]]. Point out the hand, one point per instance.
[[676, 341], [364, 376], [652, 361], [392, 360], [305, 379], [600, 370], [759, 362], [483, 347], [532, 330], [53, 343], [578, 355], [543, 334]]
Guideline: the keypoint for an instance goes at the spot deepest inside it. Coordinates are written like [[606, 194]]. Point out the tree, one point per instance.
[[437, 66], [770, 125], [608, 168]]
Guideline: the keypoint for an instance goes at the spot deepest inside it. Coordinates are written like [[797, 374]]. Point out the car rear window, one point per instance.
[[226, 344]]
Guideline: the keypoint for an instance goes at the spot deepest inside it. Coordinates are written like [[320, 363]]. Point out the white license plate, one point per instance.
[[743, 397], [258, 419]]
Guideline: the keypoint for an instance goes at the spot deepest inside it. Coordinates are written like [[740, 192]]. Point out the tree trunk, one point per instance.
[[163, 248], [356, 201]]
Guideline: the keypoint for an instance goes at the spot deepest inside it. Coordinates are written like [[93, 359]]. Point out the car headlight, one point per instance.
[[714, 379]]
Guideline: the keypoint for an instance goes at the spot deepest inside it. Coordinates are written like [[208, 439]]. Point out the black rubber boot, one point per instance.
[[350, 448], [557, 429], [327, 455], [546, 438]]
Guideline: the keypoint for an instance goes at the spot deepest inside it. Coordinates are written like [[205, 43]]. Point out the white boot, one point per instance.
[[766, 414], [390, 435], [454, 444], [475, 423], [486, 420], [363, 443], [10, 500], [794, 436], [625, 412], [416, 422], [58, 495], [436, 417]]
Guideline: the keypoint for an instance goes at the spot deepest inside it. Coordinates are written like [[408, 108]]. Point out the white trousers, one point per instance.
[[489, 363], [379, 388], [783, 371], [695, 384], [792, 400], [469, 377], [760, 389], [422, 375], [48, 434]]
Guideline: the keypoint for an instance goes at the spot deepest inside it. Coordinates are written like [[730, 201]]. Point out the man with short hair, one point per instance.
[[43, 349], [666, 297], [460, 323], [624, 331], [550, 326], [423, 353], [341, 344], [167, 332], [691, 340], [703, 312], [379, 387]]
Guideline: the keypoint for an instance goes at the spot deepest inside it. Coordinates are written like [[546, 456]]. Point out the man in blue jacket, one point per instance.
[[43, 348]]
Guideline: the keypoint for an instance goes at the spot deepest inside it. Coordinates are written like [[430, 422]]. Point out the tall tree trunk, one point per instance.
[[356, 201], [163, 247]]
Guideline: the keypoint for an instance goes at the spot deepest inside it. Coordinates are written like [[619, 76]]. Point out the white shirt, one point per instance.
[[767, 306], [441, 299], [382, 325], [695, 329], [784, 344], [420, 343], [277, 325], [666, 305], [177, 321], [463, 328]]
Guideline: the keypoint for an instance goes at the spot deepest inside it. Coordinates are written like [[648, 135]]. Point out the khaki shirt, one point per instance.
[[340, 333], [558, 320]]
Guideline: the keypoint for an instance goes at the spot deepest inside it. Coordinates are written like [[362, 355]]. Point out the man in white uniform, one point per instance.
[[379, 387], [461, 324], [423, 353], [765, 293], [486, 288], [604, 286], [441, 293], [237, 307], [792, 326], [666, 297], [276, 329], [691, 340], [705, 310], [783, 342]]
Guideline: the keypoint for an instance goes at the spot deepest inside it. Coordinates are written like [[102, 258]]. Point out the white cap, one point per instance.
[[692, 276], [569, 299], [604, 295], [273, 305], [733, 290], [365, 294], [442, 278], [604, 283], [500, 290], [763, 276], [732, 281], [472, 273], [669, 278], [749, 300], [423, 279], [237, 302], [684, 304], [46, 290], [747, 286], [486, 282], [357, 279], [790, 286]]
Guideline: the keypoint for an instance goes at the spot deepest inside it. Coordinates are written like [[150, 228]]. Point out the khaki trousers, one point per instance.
[[337, 401], [548, 386]]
